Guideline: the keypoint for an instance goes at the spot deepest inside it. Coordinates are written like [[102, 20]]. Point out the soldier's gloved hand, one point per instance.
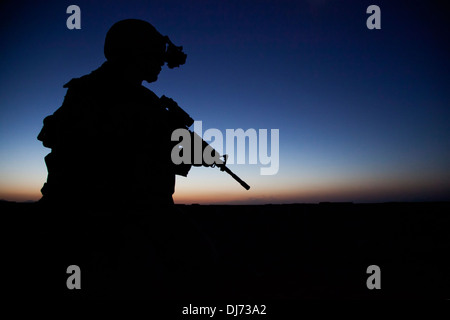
[[210, 157], [204, 163]]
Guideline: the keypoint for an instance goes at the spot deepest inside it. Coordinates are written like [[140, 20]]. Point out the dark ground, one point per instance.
[[258, 253]]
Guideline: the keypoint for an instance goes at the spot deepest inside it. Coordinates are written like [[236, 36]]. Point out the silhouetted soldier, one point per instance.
[[111, 151], [110, 140]]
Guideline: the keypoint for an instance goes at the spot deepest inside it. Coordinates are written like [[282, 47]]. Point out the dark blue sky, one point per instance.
[[363, 115]]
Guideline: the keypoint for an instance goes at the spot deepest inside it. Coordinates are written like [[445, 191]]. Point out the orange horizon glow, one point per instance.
[[375, 192], [209, 186]]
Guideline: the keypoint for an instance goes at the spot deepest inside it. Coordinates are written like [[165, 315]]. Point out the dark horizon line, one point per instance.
[[3, 201]]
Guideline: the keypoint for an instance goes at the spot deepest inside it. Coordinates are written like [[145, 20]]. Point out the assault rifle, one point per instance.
[[183, 120]]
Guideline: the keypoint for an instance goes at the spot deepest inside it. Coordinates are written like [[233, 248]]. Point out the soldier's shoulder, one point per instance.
[[96, 78], [83, 81], [73, 82]]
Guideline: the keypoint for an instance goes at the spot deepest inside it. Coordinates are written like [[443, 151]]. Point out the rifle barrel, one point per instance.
[[235, 177]]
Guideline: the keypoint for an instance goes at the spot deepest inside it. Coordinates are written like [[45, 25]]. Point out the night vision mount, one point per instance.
[[174, 56]]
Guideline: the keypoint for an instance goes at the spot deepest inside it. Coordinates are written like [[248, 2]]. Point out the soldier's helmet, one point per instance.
[[128, 37]]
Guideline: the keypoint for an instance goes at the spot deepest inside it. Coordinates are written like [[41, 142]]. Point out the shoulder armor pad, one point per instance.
[[72, 82]]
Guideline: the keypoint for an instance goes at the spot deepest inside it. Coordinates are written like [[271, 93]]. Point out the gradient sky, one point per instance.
[[363, 115]]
